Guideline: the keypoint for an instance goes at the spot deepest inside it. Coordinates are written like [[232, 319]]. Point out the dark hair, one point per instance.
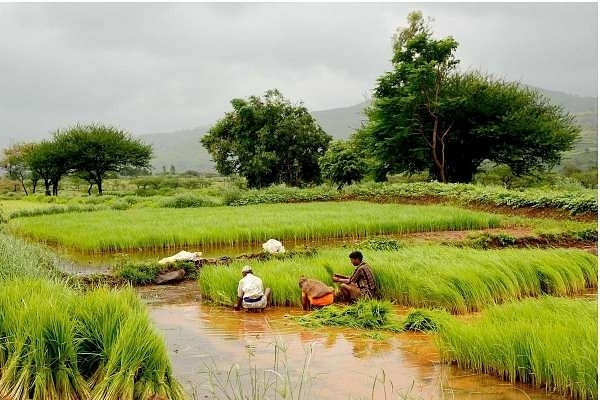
[[356, 254]]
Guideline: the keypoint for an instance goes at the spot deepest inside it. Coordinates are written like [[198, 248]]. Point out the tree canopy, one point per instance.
[[94, 150], [342, 164], [267, 140], [427, 116]]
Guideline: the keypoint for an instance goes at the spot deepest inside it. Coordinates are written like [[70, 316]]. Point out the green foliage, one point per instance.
[[342, 164], [189, 200], [427, 117], [157, 228], [550, 343], [19, 259], [137, 273], [267, 140], [380, 244], [96, 150], [457, 280], [62, 344], [143, 273], [423, 320], [364, 314]]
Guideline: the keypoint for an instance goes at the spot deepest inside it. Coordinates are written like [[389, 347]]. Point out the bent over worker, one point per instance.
[[250, 293], [314, 293]]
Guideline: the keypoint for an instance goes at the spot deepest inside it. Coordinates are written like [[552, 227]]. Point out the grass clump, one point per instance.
[[548, 342], [364, 314], [56, 343], [19, 259], [423, 320], [142, 273]]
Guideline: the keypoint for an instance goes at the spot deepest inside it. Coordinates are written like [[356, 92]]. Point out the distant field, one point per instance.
[[164, 228]]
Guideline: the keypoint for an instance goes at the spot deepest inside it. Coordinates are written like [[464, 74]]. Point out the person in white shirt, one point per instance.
[[250, 293]]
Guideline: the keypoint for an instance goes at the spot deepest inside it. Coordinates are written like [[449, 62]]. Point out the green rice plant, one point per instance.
[[21, 259], [161, 228], [426, 276], [423, 320], [364, 314], [40, 357], [56, 343], [547, 342], [138, 366]]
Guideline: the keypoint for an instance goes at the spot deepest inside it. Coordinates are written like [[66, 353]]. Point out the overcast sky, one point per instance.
[[157, 67]]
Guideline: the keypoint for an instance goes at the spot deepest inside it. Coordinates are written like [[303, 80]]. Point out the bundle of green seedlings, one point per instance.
[[426, 276], [59, 344], [177, 228], [364, 314], [549, 342]]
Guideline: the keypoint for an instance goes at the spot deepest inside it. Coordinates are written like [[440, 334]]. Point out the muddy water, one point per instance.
[[340, 363]]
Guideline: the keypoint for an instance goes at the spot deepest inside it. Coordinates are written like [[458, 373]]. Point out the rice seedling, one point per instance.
[[427, 276], [364, 314], [21, 259], [422, 320], [205, 227], [547, 342], [56, 343], [40, 359]]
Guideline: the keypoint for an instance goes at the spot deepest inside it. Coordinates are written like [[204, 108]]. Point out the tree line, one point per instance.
[[425, 116], [87, 151]]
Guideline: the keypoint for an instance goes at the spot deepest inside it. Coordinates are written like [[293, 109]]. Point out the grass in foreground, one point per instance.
[[19, 259], [176, 228], [60, 344], [457, 280], [550, 343]]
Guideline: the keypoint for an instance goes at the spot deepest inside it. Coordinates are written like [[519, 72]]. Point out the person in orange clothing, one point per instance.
[[315, 293]]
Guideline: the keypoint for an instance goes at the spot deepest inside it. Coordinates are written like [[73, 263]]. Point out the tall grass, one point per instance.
[[56, 343], [20, 259], [550, 343], [428, 276], [159, 228]]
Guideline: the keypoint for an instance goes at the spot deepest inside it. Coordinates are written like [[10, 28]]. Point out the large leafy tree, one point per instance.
[[426, 116], [94, 150], [267, 140]]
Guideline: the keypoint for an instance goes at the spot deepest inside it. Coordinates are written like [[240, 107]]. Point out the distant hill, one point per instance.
[[183, 150]]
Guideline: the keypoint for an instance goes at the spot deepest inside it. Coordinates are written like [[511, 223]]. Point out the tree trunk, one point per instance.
[[437, 159], [55, 188], [99, 184], [47, 191]]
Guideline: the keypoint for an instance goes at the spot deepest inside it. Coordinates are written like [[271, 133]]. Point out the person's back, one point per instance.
[[250, 292]]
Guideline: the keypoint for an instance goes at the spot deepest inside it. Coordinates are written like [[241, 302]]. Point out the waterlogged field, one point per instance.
[[433, 276], [59, 343], [550, 343], [158, 228]]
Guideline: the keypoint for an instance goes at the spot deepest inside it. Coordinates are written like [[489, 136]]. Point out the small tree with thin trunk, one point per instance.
[[95, 150]]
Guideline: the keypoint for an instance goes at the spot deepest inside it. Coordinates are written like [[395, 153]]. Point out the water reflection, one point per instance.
[[333, 363]]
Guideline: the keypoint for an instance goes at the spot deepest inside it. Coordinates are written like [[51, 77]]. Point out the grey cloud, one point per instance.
[[166, 66]]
